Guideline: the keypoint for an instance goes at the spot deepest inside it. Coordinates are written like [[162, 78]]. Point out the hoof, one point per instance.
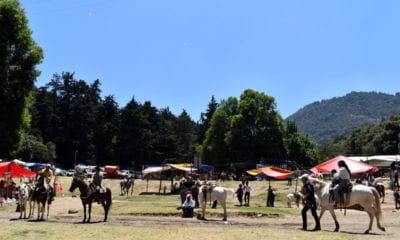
[[383, 229]]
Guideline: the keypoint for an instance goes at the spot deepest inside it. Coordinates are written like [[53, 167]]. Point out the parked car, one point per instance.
[[70, 172], [138, 174]]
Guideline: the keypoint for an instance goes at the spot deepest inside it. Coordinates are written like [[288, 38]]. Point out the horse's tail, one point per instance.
[[229, 190], [377, 204]]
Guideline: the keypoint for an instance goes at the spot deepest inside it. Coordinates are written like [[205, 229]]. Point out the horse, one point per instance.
[[23, 199], [296, 197], [216, 193], [125, 185], [366, 197], [42, 196], [88, 196], [381, 190]]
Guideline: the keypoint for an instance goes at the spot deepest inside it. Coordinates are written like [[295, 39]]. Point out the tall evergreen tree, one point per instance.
[[106, 131], [19, 56], [205, 119], [186, 137], [77, 106]]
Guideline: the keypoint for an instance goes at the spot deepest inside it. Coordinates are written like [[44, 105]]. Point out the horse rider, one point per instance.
[[47, 173], [343, 178], [97, 179], [79, 173], [310, 203], [371, 180]]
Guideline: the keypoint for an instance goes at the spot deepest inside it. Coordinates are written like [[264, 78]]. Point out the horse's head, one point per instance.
[[74, 184], [23, 191], [40, 181]]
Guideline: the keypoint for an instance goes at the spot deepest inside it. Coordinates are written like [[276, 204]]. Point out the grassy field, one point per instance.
[[146, 201]]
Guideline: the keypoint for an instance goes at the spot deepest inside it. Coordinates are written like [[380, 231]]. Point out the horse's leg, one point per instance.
[[108, 199], [23, 208], [223, 204], [332, 211], [38, 211], [106, 206], [42, 208], [321, 213], [370, 212], [32, 209], [90, 211], [20, 210], [48, 210], [84, 212]]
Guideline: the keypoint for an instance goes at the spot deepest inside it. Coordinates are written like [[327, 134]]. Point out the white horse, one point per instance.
[[217, 193], [366, 197], [23, 199], [296, 197]]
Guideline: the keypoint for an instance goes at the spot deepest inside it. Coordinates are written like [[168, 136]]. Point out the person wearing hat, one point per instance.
[[188, 206], [97, 179], [309, 203], [47, 173]]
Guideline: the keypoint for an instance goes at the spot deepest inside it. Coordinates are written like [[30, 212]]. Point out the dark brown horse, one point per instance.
[[88, 196], [42, 196], [381, 190], [125, 185]]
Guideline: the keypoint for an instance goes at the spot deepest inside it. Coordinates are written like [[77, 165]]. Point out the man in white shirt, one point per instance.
[[188, 206]]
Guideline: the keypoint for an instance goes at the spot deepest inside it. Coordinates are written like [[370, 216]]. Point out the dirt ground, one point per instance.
[[355, 222]]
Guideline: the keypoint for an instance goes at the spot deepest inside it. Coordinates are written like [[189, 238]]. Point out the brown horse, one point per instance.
[[42, 196], [88, 196], [125, 185], [381, 190]]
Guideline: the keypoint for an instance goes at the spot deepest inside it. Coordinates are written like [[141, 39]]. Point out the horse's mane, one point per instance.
[[318, 184]]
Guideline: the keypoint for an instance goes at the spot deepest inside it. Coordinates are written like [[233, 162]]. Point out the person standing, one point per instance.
[[396, 180], [309, 203], [247, 189], [342, 178], [239, 194]]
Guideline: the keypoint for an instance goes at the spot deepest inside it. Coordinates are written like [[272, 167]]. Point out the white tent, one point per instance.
[[380, 161], [151, 170]]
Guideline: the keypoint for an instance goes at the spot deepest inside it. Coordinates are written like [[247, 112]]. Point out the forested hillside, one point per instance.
[[326, 120]]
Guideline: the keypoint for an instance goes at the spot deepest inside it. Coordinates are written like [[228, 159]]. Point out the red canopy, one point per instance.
[[15, 170], [355, 166], [275, 172]]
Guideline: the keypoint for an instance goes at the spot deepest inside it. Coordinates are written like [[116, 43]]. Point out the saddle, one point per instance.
[[343, 197]]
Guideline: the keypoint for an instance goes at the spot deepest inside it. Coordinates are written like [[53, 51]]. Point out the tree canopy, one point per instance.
[[19, 55]]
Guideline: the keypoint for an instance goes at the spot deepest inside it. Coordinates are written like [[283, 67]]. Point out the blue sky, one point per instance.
[[178, 53]]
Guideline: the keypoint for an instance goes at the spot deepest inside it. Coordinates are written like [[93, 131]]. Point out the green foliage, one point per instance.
[[245, 129], [376, 139], [205, 119], [19, 55], [299, 147], [326, 120]]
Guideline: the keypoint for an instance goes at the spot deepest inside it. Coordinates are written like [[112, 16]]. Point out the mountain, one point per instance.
[[326, 120]]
